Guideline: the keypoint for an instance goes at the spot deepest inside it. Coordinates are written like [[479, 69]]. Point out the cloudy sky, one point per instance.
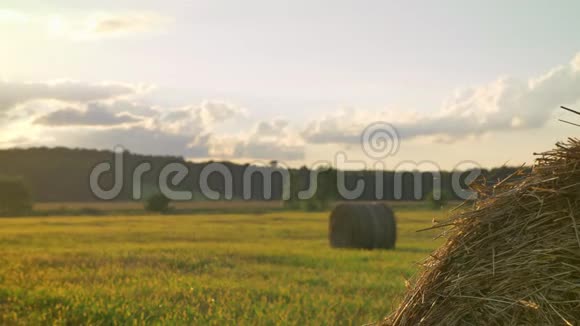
[[296, 81]]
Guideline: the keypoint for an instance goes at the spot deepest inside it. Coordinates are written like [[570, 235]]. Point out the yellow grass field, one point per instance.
[[209, 269]]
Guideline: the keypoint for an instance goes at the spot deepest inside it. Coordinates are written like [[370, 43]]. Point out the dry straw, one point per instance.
[[511, 259]]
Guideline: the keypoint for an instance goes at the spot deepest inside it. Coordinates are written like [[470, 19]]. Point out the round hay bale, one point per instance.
[[388, 237], [365, 226]]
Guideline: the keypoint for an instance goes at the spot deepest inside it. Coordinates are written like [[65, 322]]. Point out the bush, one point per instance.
[[437, 202], [311, 205], [307, 205], [157, 203], [15, 197], [293, 204], [314, 205]]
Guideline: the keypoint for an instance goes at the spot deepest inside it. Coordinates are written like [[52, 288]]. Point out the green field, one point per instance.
[[200, 269]]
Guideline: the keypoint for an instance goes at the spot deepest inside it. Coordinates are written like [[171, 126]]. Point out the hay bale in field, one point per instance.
[[511, 259], [366, 226]]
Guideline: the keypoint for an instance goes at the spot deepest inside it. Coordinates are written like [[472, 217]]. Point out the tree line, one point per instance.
[[62, 175]]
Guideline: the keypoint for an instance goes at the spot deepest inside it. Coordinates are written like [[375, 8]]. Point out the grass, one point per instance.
[[137, 208], [200, 269]]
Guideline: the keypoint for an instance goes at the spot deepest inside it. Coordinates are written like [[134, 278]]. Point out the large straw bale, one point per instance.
[[511, 259]]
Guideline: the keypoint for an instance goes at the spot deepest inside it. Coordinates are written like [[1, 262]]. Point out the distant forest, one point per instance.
[[62, 175]]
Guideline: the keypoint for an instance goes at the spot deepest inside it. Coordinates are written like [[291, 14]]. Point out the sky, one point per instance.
[[293, 81]]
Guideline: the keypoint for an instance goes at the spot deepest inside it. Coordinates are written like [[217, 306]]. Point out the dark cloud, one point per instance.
[[104, 25], [136, 139], [94, 115], [12, 93]]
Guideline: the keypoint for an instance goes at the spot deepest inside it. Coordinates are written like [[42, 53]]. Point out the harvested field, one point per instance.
[[202, 269]]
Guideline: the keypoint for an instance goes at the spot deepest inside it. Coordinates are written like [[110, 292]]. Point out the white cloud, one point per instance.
[[268, 140], [200, 118], [15, 142], [13, 17], [268, 151], [505, 104], [274, 128], [110, 114], [185, 131]]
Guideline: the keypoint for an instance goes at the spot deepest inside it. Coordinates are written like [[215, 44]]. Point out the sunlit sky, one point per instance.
[[295, 81]]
